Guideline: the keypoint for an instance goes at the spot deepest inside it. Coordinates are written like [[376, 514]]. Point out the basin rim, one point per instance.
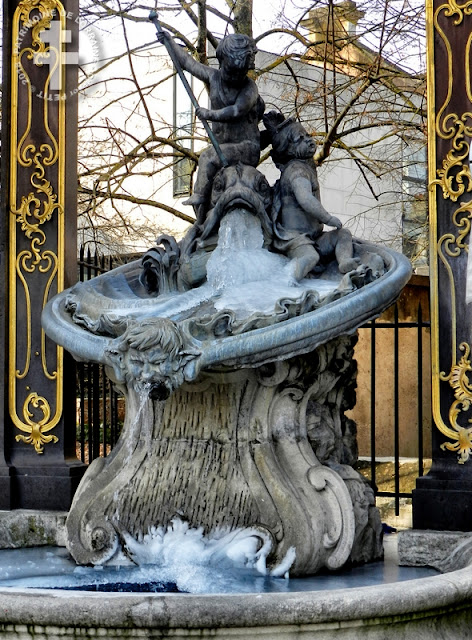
[[412, 599]]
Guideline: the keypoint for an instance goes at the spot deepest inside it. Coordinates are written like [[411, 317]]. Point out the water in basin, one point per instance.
[[53, 568]]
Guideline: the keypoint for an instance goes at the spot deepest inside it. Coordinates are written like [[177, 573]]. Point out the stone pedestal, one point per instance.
[[442, 500], [265, 450]]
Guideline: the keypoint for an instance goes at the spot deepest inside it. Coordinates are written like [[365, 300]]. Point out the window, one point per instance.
[[414, 170], [415, 206], [183, 135]]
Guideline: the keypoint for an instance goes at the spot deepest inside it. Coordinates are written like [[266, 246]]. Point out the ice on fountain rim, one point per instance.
[[242, 275]]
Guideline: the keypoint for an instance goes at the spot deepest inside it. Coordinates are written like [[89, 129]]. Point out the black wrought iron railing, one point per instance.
[[415, 362], [100, 408]]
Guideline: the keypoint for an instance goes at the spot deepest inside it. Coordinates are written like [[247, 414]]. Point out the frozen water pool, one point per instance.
[[53, 568]]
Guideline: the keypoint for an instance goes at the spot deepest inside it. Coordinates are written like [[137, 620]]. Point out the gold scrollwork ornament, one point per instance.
[[460, 383], [36, 430], [455, 183], [455, 8], [46, 9]]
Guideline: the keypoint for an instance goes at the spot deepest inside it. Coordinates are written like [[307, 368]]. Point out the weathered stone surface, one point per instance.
[[236, 386], [443, 550], [263, 449], [262, 445], [29, 528], [437, 608]]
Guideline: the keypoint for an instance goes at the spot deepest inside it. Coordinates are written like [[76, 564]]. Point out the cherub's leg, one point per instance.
[[344, 251], [303, 259], [213, 217], [208, 165], [246, 152]]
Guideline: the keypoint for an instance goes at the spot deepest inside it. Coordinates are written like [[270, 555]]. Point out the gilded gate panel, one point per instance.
[[37, 192], [449, 38]]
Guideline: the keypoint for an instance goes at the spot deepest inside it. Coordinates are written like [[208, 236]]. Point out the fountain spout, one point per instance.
[[159, 391]]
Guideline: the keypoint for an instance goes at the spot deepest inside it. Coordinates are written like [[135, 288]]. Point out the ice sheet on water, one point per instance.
[[37, 561], [224, 562], [188, 577], [52, 567]]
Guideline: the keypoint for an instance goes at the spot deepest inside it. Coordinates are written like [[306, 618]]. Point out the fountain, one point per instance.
[[236, 370], [234, 351]]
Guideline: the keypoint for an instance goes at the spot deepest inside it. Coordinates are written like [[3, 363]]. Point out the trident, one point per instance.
[[153, 18]]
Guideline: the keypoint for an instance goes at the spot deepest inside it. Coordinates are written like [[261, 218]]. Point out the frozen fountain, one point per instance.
[[235, 392], [234, 351], [234, 467]]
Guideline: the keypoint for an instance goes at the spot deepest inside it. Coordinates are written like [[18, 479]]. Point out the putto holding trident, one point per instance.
[[295, 227], [235, 107]]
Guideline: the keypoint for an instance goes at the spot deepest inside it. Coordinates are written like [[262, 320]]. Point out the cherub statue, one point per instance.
[[298, 215], [235, 107]]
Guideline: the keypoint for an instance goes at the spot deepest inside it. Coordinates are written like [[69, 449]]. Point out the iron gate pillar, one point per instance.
[[442, 499], [38, 465]]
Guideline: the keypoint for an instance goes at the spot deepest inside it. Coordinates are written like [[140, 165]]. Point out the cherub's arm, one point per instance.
[[186, 61], [302, 191], [245, 101]]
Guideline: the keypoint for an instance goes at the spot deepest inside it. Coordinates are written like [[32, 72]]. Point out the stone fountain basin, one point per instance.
[[430, 608], [120, 293]]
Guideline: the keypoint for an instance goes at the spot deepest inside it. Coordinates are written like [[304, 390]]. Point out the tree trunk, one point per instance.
[[202, 32], [242, 22]]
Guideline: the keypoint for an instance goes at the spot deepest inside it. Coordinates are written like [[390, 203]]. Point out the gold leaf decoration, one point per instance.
[[461, 385], [36, 429], [37, 203]]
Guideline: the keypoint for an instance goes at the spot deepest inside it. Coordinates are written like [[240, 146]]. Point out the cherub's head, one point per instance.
[[289, 138], [152, 354], [236, 54]]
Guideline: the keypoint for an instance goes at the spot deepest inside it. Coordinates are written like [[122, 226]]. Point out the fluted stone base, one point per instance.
[[266, 450]]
